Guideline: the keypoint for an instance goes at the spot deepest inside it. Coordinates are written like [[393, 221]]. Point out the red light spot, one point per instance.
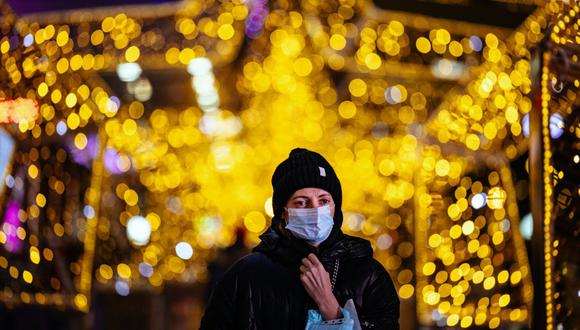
[[18, 110]]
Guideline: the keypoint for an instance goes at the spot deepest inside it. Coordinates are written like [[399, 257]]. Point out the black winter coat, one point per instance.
[[263, 290]]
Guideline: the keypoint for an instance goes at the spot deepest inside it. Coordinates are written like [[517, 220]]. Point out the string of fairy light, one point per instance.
[[453, 121], [437, 286], [563, 33], [170, 169], [547, 219]]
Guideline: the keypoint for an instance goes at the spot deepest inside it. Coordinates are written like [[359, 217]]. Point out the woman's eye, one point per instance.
[[324, 201], [300, 203]]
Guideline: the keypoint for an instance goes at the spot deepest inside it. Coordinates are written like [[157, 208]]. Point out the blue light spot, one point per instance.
[[61, 128], [28, 40], [475, 43]]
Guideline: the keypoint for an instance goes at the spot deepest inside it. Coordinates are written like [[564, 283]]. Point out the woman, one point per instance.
[[304, 261]]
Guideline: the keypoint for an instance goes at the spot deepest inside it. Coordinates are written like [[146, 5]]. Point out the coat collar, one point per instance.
[[282, 246]]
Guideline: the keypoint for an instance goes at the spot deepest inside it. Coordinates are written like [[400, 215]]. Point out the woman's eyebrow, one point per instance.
[[324, 195], [296, 197]]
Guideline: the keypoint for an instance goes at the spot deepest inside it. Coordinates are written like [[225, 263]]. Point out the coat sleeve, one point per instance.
[[221, 310], [380, 308]]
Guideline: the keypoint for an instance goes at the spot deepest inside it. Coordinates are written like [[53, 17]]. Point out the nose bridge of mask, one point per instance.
[[303, 212]]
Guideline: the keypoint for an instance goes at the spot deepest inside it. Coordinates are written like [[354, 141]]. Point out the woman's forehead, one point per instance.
[[310, 192]]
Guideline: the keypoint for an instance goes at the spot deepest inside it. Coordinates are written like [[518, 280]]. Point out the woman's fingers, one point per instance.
[[314, 260], [307, 281], [312, 264], [316, 278], [316, 282]]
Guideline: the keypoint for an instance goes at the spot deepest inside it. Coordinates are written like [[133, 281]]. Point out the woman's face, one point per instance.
[[309, 198]]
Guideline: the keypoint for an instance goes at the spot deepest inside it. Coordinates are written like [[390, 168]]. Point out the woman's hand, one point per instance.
[[316, 281]]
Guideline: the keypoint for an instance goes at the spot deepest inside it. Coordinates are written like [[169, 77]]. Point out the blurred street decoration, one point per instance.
[[137, 140], [18, 111]]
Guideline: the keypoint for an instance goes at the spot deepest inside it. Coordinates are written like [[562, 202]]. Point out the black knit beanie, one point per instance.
[[304, 169]]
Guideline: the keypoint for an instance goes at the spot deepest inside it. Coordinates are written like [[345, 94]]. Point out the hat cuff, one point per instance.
[[290, 184]]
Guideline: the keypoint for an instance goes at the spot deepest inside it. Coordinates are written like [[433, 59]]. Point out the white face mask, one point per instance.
[[312, 225]]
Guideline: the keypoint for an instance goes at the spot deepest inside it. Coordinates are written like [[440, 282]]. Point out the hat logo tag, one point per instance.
[[322, 171]]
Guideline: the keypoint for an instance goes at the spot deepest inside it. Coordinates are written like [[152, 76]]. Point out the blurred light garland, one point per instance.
[[46, 184], [501, 87], [560, 136], [451, 254], [547, 194], [195, 188]]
